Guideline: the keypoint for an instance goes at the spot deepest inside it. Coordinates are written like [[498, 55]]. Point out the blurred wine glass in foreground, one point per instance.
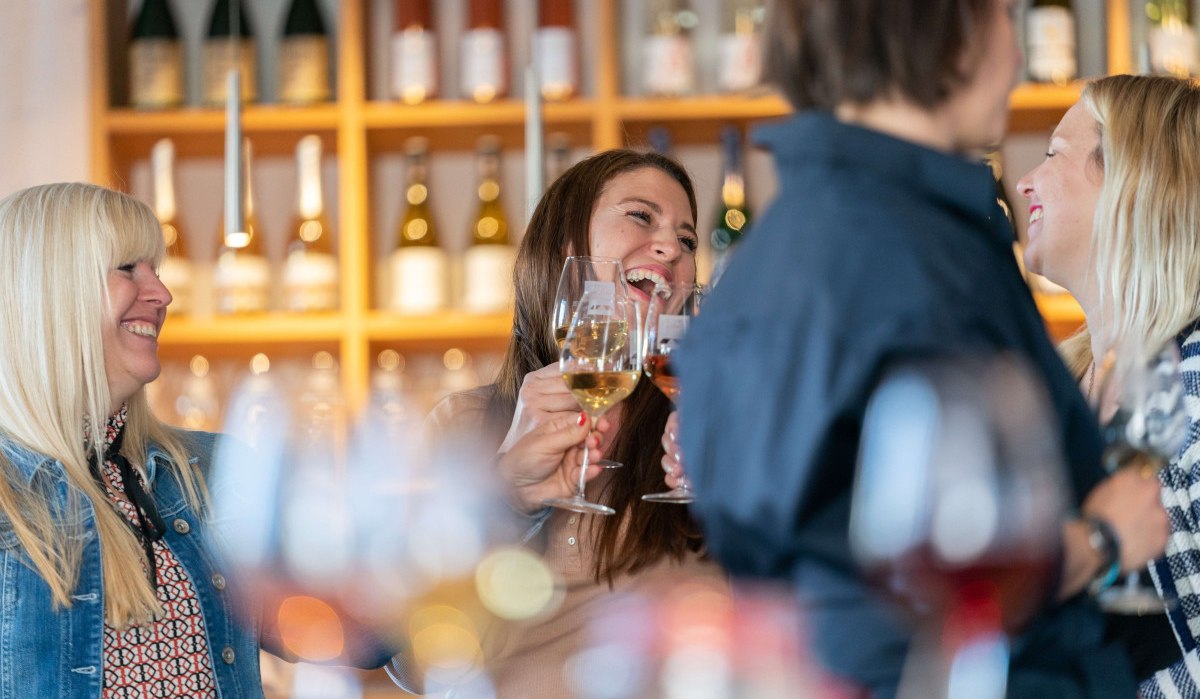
[[956, 513]]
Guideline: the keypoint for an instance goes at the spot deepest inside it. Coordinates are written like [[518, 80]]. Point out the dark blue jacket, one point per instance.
[[875, 249]]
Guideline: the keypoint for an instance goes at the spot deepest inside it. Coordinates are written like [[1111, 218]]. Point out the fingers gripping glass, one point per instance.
[[580, 274], [1146, 429], [671, 308], [600, 363]]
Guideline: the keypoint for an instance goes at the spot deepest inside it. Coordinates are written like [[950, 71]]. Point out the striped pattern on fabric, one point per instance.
[[1177, 574]]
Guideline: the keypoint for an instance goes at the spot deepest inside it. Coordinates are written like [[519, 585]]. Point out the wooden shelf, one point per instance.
[[443, 114], [263, 328], [441, 327], [702, 108], [255, 118], [1062, 314], [1035, 107]]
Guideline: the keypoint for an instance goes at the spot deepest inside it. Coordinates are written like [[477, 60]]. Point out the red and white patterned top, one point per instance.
[[168, 657]]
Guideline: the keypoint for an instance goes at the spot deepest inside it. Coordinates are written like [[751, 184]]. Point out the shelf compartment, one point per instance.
[[448, 326], [257, 329], [1035, 107]]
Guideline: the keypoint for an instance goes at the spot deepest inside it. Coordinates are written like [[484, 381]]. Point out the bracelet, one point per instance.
[[1103, 539]]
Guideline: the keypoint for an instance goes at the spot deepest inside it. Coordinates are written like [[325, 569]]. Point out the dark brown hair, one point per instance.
[[644, 532], [823, 53]]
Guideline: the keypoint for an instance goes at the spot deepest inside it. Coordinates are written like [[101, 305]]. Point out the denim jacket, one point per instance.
[[58, 653]]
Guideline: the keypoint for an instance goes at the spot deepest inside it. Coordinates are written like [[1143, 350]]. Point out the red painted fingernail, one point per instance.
[[582, 419]]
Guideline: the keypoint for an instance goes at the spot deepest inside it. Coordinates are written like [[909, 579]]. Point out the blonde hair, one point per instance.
[[60, 241], [1146, 236]]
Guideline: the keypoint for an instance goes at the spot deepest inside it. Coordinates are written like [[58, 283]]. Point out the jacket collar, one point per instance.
[[28, 462]]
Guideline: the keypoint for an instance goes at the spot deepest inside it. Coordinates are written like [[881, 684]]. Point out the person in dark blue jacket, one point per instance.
[[885, 242], [108, 583]]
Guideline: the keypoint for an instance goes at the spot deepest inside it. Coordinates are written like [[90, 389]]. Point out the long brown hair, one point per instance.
[[559, 227]]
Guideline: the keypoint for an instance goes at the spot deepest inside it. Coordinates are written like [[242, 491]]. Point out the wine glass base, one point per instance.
[[607, 463], [578, 504], [678, 496], [1135, 602]]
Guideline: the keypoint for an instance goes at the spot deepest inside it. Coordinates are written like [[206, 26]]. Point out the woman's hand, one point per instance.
[[545, 462], [1130, 500], [543, 398], [672, 461]]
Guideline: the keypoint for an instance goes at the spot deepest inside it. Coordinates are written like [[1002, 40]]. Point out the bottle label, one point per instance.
[[176, 275], [304, 69], [241, 282], [418, 280], [669, 64], [222, 56], [414, 63], [488, 275], [740, 61], [155, 73], [1051, 45], [483, 65], [554, 52], [310, 281], [672, 328], [1173, 50]]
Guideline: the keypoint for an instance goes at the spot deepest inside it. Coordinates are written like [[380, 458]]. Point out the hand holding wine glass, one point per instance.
[[600, 363], [671, 308]]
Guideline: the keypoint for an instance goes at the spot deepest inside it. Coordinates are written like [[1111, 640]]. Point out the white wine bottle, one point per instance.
[[242, 278], [483, 62], [227, 47], [668, 60], [739, 46], [176, 271], [418, 263], [310, 270], [155, 58], [488, 261], [414, 53], [555, 50], [1050, 42], [304, 55], [1171, 38]]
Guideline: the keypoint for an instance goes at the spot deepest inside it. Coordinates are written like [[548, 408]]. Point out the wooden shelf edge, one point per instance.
[[1059, 308], [449, 325], [253, 329], [443, 114], [701, 108], [254, 118]]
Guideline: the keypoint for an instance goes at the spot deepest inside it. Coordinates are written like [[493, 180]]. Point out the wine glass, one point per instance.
[[600, 362], [671, 308], [581, 273], [1146, 429], [956, 510]]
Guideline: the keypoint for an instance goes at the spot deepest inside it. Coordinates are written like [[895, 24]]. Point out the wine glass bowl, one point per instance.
[[600, 363]]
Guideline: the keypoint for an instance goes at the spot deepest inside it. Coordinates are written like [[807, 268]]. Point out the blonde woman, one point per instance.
[[106, 587], [1114, 218]]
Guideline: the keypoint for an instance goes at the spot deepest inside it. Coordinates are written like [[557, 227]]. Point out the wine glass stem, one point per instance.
[[586, 462]]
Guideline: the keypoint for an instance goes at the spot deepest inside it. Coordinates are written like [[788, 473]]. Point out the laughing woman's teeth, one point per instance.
[[140, 329], [1035, 215], [639, 274]]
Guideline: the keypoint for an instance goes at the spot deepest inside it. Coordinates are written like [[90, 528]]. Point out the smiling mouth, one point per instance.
[[644, 280], [142, 329], [1035, 215]]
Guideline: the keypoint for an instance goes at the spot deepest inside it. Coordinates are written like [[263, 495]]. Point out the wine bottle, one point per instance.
[[176, 270], [310, 270], [488, 261], [229, 45], [1170, 38], [739, 46], [668, 58], [733, 215], [554, 50], [414, 53], [155, 58], [1050, 41], [483, 62], [558, 155], [304, 55], [242, 278], [418, 264]]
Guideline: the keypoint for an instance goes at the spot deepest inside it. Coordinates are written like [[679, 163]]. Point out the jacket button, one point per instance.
[[181, 525], [227, 655], [218, 581]]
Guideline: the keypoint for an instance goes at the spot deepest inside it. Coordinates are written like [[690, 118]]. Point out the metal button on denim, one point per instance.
[[227, 655], [181, 525], [571, 540], [218, 581]]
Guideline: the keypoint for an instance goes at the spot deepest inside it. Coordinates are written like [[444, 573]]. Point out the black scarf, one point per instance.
[[149, 526]]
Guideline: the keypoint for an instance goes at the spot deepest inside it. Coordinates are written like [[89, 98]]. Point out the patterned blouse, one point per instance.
[[1177, 574], [168, 657]]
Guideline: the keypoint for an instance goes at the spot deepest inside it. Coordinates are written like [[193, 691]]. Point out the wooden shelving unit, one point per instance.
[[358, 129]]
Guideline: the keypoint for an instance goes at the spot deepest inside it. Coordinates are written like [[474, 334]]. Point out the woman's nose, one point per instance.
[[1025, 185]]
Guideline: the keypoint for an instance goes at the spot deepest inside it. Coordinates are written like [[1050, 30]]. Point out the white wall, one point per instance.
[[44, 116]]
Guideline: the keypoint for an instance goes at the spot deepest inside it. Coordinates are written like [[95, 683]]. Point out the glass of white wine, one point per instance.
[[671, 308], [600, 363], [582, 273]]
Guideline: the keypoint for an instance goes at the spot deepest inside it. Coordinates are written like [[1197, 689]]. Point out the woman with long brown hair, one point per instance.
[[639, 208]]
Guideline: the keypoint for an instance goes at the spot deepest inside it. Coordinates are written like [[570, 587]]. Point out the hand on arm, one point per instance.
[[672, 461], [1130, 503]]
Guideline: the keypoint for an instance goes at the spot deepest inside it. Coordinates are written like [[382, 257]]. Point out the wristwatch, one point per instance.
[[1103, 540]]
